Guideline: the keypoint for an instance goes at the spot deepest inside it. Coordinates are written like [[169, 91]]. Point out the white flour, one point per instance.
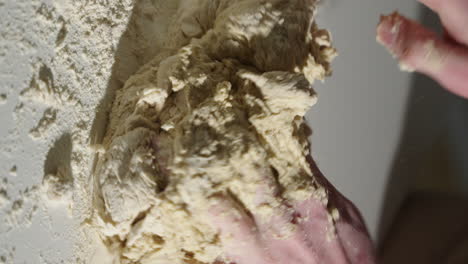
[[61, 63]]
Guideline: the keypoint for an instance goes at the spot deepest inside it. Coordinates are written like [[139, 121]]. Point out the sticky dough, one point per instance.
[[220, 110]]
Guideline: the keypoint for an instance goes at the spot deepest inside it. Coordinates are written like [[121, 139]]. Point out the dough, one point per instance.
[[221, 110]]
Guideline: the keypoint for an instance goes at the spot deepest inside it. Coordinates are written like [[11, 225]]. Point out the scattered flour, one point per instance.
[[58, 188], [4, 198], [3, 99], [59, 61], [23, 208], [46, 121], [14, 171], [7, 255], [122, 113]]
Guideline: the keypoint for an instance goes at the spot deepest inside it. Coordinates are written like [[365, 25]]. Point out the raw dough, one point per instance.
[[220, 111]]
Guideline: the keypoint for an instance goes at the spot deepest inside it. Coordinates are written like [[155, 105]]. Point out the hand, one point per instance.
[[417, 48], [318, 236]]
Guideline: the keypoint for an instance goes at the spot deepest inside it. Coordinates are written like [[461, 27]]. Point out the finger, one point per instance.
[[328, 240], [273, 216], [257, 190], [238, 231], [316, 230], [356, 244], [267, 190], [420, 49], [232, 222], [454, 16]]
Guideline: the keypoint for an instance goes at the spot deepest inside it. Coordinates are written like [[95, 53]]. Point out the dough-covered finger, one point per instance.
[[422, 50], [231, 220], [238, 231], [454, 16], [267, 191], [273, 216], [334, 234], [333, 227]]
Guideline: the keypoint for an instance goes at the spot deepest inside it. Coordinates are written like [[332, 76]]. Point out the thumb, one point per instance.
[[422, 50]]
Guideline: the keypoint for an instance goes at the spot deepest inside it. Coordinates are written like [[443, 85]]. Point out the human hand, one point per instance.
[[320, 235], [417, 48]]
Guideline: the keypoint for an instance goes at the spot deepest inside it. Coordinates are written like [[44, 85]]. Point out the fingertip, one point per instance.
[[388, 31]]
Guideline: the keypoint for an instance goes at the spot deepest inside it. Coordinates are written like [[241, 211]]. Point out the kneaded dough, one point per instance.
[[221, 110]]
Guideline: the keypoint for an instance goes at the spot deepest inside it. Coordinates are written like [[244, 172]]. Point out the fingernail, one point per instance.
[[388, 30]]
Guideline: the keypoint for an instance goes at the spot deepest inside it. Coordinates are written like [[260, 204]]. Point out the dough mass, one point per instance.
[[219, 111]]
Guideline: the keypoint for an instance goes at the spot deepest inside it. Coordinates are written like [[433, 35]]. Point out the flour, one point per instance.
[[4, 198], [131, 115], [56, 61], [7, 256], [14, 171], [3, 99], [219, 110], [58, 187], [46, 121], [23, 208]]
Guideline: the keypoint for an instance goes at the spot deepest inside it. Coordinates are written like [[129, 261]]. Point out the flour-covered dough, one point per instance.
[[220, 110]]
